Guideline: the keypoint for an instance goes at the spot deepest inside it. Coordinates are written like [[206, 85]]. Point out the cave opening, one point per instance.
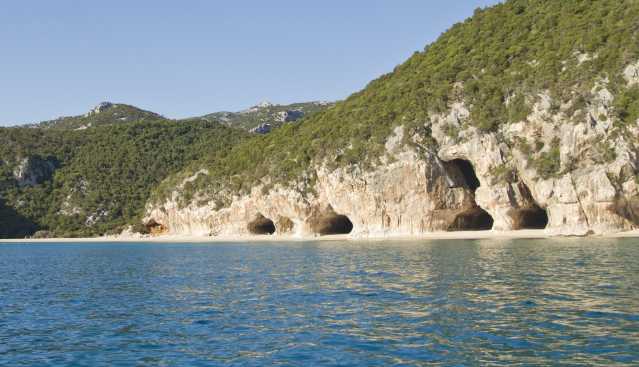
[[530, 218], [475, 219], [261, 226], [468, 172], [154, 228], [331, 224]]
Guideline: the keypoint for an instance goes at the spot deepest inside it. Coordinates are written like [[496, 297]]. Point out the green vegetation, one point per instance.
[[627, 106], [105, 173], [548, 164], [503, 57], [275, 115], [109, 114], [504, 173], [496, 62]]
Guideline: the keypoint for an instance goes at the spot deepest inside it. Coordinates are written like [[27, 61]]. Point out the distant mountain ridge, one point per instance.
[[261, 118], [105, 113], [265, 116]]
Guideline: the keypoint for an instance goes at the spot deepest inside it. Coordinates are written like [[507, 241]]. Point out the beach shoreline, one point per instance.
[[465, 235]]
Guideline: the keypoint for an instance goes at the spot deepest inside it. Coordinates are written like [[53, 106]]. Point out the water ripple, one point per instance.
[[525, 302]]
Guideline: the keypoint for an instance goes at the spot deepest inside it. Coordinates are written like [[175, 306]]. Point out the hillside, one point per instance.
[[523, 116], [97, 180], [526, 115], [266, 116], [105, 113]]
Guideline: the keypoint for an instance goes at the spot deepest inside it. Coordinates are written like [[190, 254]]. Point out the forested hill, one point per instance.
[[92, 174], [88, 182], [106, 113]]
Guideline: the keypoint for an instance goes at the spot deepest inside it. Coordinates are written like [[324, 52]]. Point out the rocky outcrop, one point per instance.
[[33, 170], [103, 106], [289, 115], [264, 128], [266, 116], [596, 167], [631, 74]]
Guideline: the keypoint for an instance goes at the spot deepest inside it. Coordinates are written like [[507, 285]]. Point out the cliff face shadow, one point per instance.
[[13, 224], [531, 215], [468, 172], [627, 208]]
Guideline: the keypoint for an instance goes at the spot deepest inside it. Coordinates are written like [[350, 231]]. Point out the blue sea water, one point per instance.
[[453, 303]]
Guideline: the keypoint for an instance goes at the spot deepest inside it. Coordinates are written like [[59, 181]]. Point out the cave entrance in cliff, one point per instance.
[[530, 218], [475, 219], [331, 224], [154, 228], [261, 225], [468, 171]]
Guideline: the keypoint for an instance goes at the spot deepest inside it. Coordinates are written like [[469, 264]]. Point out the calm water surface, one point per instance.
[[527, 302]]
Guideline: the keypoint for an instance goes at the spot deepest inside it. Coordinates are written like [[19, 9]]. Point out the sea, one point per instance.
[[560, 301]]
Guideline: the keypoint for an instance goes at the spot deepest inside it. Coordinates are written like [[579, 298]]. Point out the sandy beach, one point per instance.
[[466, 235]]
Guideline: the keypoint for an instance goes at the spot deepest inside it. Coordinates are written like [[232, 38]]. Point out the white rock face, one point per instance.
[[631, 73], [418, 190], [411, 195], [32, 171], [103, 106]]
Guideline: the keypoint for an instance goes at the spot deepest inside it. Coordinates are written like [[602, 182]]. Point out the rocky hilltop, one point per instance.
[[266, 116], [524, 116], [105, 113]]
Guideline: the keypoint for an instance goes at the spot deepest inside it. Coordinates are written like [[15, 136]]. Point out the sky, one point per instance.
[[193, 57]]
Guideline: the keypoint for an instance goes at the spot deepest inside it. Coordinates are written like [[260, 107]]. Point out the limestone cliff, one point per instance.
[[526, 115], [472, 180]]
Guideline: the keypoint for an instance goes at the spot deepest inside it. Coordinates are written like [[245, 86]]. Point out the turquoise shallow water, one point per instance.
[[532, 302]]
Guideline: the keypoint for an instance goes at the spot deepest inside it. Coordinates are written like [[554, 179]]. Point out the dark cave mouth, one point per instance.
[[468, 172], [261, 226], [530, 218], [475, 219], [332, 224]]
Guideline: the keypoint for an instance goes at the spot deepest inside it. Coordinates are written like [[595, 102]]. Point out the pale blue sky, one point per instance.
[[192, 57]]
